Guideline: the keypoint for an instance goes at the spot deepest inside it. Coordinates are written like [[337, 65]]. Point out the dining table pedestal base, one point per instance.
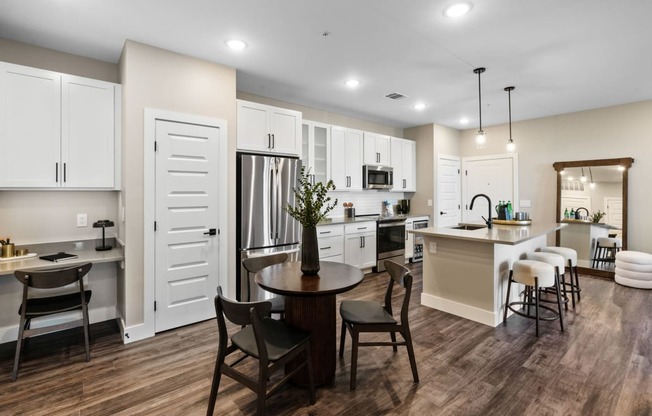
[[316, 314]]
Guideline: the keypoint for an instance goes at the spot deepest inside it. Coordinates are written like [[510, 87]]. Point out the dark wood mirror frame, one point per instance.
[[626, 163]]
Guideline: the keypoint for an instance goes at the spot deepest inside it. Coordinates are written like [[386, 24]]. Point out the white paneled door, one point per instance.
[[449, 191], [494, 176], [614, 208], [187, 184]]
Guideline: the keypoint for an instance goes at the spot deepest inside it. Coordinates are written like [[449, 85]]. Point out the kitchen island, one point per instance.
[[465, 272]]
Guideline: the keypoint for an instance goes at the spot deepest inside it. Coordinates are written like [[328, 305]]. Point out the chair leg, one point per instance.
[[536, 303], [342, 337], [86, 332], [413, 362], [354, 357], [19, 342], [311, 379], [217, 375], [509, 286], [392, 335]]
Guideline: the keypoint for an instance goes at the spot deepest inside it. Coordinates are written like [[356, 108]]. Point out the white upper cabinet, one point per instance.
[[376, 149], [315, 150], [404, 164], [57, 130], [30, 129], [88, 132], [266, 129], [346, 158]]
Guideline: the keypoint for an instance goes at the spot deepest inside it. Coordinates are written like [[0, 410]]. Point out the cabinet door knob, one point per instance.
[[442, 213]]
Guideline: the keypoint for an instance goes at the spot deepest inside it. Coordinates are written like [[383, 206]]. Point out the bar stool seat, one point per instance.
[[570, 258], [535, 275], [558, 262]]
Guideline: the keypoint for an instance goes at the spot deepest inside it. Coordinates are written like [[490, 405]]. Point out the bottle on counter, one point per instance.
[[572, 214], [566, 214], [510, 211]]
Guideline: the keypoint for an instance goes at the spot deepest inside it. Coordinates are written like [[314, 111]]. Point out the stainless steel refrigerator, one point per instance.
[[264, 188]]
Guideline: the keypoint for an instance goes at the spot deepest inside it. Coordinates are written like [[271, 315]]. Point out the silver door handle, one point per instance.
[[273, 141], [269, 141], [325, 248]]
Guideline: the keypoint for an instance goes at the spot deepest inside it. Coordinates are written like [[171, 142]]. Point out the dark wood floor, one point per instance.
[[602, 365]]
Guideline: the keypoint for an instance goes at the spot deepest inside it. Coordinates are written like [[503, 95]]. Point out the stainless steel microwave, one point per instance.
[[377, 177]]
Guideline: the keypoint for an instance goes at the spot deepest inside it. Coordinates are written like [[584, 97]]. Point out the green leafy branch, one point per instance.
[[312, 202], [597, 216]]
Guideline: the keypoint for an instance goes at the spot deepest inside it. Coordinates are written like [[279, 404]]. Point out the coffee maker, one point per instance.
[[403, 207]]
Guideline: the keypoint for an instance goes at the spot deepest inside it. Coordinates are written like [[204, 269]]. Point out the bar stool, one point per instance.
[[535, 275], [557, 261], [570, 258], [606, 249]]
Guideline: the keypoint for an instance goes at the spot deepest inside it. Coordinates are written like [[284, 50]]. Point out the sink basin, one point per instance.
[[469, 227]]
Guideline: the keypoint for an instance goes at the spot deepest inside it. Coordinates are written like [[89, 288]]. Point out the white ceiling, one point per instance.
[[562, 56]]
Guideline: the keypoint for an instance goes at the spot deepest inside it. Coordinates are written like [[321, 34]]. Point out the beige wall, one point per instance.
[[326, 117], [620, 131], [163, 80], [37, 57]]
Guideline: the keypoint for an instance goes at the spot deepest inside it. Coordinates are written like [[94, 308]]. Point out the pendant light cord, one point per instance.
[[509, 99], [479, 71]]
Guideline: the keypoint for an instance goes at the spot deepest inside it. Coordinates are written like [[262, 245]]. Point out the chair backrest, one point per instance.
[[243, 314], [255, 264], [52, 278], [400, 275]]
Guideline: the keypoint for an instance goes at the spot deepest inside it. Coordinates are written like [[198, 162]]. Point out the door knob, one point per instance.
[[442, 213], [212, 231]]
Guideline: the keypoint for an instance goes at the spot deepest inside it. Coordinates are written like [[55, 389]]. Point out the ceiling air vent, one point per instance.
[[396, 96], [572, 186]]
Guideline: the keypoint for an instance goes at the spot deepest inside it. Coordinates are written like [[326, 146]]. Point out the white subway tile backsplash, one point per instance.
[[364, 202]]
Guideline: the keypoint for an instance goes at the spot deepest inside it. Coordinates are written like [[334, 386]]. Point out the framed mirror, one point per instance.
[[592, 200]]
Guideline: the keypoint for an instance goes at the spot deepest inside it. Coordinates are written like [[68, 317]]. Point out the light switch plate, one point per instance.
[[433, 248], [82, 220], [430, 202]]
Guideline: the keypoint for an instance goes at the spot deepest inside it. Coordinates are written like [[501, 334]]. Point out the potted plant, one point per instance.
[[312, 205], [597, 216]]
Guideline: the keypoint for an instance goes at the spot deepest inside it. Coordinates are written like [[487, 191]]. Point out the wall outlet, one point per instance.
[[82, 220], [430, 202], [432, 248]]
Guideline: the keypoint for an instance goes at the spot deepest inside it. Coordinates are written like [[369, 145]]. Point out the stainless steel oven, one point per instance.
[[390, 241]]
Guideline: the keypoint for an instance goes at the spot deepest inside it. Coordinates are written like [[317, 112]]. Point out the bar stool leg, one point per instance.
[[509, 286], [561, 317], [577, 284], [561, 279], [536, 302]]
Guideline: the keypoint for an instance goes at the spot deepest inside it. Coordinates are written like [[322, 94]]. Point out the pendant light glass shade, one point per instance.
[[511, 146], [480, 137]]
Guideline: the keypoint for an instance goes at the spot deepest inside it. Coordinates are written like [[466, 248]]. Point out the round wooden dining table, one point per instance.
[[310, 305]]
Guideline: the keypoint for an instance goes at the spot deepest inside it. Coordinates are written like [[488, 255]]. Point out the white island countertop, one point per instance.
[[498, 234]]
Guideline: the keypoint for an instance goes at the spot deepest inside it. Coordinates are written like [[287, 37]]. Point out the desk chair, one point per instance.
[[43, 306], [364, 316], [255, 264], [272, 342]]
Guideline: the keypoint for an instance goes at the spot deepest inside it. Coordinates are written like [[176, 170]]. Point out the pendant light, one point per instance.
[[592, 184], [480, 137], [583, 177], [510, 143]]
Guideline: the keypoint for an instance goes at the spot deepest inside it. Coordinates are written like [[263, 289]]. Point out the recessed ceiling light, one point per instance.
[[419, 106], [236, 44], [458, 9], [352, 83], [464, 120]]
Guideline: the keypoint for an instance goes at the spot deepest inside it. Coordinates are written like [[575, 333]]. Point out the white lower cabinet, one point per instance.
[[360, 244], [330, 242]]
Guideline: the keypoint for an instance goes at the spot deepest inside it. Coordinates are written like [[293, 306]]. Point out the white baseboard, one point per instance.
[[135, 332], [459, 309]]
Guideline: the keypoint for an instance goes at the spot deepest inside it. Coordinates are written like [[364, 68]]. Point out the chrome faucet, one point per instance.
[[488, 219], [577, 213]]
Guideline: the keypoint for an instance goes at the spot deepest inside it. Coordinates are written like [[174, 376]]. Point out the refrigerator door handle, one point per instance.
[[272, 202]]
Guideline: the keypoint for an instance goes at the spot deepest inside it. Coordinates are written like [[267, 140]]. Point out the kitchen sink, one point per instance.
[[469, 227]]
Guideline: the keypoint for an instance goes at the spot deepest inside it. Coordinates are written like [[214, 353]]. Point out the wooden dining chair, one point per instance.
[[255, 264], [36, 307], [272, 342], [360, 316]]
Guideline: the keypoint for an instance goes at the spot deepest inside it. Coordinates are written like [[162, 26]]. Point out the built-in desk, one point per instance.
[[101, 280]]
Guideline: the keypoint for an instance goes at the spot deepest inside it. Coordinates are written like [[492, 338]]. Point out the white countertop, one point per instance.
[[586, 222], [85, 251], [498, 234], [346, 220]]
